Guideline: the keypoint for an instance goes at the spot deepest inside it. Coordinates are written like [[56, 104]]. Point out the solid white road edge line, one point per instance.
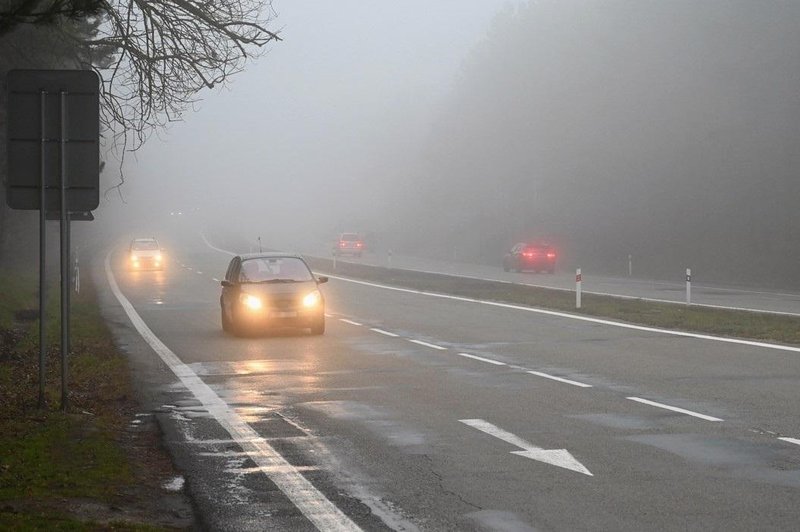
[[387, 333], [487, 360], [311, 502], [351, 322], [556, 457], [558, 314], [559, 379], [791, 440], [674, 409], [426, 344]]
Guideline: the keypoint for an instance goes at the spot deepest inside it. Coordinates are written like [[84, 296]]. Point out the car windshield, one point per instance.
[[145, 245], [274, 269], [350, 236]]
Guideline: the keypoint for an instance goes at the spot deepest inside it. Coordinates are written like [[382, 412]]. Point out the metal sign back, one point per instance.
[[35, 138]]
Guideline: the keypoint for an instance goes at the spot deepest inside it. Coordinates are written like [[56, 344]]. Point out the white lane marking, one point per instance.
[[556, 457], [588, 319], [426, 344], [216, 280], [311, 502], [351, 322], [559, 379], [674, 409], [791, 440], [387, 333], [199, 272], [487, 360]]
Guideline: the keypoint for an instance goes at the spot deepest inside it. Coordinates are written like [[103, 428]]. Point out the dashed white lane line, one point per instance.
[[215, 280], [426, 344], [311, 502], [351, 322], [385, 333], [674, 409], [199, 272], [559, 379], [481, 359], [791, 440]]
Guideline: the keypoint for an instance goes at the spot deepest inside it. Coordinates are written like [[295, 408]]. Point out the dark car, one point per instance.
[[271, 290], [533, 257], [349, 244]]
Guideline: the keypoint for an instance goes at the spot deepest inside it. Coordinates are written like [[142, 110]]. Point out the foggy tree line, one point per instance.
[[665, 130]]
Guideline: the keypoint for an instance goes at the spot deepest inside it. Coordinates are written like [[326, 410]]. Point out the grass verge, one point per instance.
[[719, 322], [89, 467]]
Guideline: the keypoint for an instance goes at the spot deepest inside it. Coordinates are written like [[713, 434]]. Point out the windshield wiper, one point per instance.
[[278, 281]]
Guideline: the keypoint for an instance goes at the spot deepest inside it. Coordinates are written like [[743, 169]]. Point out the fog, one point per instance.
[[664, 130]]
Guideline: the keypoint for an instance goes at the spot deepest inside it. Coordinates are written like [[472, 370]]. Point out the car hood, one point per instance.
[[284, 290]]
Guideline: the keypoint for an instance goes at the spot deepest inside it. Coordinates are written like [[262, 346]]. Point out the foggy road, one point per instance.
[[704, 293], [418, 412]]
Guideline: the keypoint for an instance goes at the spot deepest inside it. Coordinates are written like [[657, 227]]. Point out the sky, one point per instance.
[[299, 128]]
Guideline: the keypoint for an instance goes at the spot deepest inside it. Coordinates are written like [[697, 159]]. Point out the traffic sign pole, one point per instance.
[[64, 254], [42, 249]]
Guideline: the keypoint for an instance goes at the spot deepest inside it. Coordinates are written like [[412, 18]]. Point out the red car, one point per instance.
[[533, 257], [349, 244]]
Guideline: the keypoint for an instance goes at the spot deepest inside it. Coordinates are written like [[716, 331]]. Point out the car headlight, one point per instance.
[[312, 299], [250, 301]]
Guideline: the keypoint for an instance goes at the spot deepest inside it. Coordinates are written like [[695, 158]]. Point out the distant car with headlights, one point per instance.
[[145, 254], [537, 257], [264, 291], [349, 244]]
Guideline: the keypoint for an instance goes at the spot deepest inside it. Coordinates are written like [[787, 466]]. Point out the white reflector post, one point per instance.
[[688, 286]]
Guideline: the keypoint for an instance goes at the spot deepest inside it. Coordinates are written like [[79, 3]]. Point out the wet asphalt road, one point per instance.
[[381, 413]]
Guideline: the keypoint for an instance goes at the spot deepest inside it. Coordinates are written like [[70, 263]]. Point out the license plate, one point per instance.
[[284, 314]]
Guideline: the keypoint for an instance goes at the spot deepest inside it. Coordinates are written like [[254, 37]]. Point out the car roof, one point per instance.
[[269, 255]]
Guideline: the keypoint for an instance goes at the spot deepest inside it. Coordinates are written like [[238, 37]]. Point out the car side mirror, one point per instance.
[[227, 284], [322, 279]]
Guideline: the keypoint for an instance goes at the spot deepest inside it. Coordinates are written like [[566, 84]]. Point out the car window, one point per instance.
[[144, 245], [269, 268], [349, 236]]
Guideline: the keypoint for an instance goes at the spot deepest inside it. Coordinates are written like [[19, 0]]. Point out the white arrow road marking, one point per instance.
[[556, 457]]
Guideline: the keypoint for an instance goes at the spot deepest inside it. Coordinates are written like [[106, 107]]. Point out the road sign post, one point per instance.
[[578, 283], [53, 165]]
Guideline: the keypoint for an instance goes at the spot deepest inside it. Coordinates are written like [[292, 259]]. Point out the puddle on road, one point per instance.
[[498, 521], [250, 367], [740, 459], [616, 421], [175, 484], [374, 419]]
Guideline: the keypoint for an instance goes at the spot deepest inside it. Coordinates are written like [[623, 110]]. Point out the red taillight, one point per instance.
[[358, 244], [551, 255], [342, 243], [528, 254]]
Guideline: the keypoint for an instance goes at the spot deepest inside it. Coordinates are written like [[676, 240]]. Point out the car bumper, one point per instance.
[[278, 318]]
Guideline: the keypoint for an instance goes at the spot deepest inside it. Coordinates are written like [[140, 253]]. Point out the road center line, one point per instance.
[[674, 409], [387, 333], [559, 379], [426, 344], [487, 360], [351, 322], [309, 500], [791, 440]]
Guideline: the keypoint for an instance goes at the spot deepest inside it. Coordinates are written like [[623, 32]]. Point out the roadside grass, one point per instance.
[[64, 470], [719, 322]]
